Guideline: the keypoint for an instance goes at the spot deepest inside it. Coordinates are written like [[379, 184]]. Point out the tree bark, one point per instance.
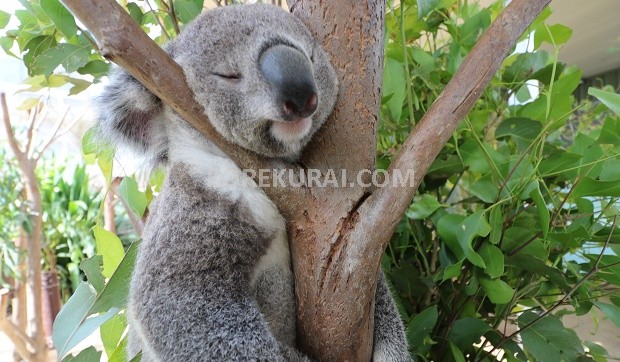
[[352, 32], [337, 235], [34, 298]]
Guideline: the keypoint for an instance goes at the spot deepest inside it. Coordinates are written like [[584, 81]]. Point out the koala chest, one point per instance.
[[270, 278]]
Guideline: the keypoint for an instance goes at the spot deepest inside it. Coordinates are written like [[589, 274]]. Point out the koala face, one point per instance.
[[264, 82]]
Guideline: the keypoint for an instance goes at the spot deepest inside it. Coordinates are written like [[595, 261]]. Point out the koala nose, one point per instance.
[[289, 74]]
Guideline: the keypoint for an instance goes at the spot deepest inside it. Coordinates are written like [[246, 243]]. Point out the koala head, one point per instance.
[[264, 82]]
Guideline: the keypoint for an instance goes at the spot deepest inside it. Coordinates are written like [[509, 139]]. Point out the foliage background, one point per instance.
[[515, 221]]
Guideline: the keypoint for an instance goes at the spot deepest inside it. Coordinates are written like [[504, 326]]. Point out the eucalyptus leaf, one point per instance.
[[548, 340], [70, 56], [61, 17]]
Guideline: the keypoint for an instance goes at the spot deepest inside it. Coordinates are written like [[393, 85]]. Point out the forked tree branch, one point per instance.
[[350, 265]]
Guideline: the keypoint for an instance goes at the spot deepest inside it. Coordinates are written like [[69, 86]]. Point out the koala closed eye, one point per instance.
[[230, 77]]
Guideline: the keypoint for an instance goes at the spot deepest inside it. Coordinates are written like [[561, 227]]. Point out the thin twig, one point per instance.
[[10, 135], [31, 120], [161, 25], [53, 137], [136, 222], [173, 16]]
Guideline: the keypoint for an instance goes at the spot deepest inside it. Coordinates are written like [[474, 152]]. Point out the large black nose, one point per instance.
[[289, 74]]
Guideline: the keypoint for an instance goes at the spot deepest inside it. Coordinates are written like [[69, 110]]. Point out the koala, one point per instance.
[[213, 278]]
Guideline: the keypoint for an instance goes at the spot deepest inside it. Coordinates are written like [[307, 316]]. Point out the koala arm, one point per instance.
[[390, 342]]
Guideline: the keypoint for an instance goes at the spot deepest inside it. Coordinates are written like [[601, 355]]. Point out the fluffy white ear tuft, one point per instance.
[[128, 115]]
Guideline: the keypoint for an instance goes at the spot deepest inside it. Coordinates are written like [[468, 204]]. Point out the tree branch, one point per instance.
[[10, 135], [18, 337], [378, 217]]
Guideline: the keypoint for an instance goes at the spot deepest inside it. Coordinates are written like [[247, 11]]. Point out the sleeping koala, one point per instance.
[[213, 277]]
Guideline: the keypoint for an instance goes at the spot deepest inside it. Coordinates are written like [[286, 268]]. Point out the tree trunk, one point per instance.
[[19, 303], [35, 304], [353, 33], [27, 168]]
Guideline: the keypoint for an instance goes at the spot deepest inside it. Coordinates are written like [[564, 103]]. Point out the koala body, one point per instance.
[[213, 277]]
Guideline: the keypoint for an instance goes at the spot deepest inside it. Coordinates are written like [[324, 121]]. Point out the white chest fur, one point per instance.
[[220, 174]]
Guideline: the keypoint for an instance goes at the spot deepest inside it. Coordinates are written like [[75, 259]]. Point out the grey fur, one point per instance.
[[213, 279]]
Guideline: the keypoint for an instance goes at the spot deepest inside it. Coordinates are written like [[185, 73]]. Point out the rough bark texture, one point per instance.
[[353, 33], [337, 235]]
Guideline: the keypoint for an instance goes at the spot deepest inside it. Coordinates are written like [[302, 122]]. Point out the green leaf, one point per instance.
[[591, 187], [422, 207], [61, 17], [7, 43], [541, 206], [135, 12], [496, 221], [425, 61], [71, 325], [448, 228], [544, 75], [70, 56], [120, 353], [394, 87], [597, 351], [473, 226], [90, 145], [523, 128], [485, 188], [452, 271], [548, 340], [557, 34], [426, 6], [77, 319], [128, 190], [4, 19], [79, 85], [105, 160], [110, 247], [456, 353], [35, 47], [111, 333], [137, 357], [610, 133], [538, 267], [95, 68], [481, 157], [558, 163], [611, 311], [92, 270], [115, 293], [473, 27], [493, 259], [420, 327], [467, 331], [498, 291], [188, 10], [28, 103], [89, 354], [611, 100]]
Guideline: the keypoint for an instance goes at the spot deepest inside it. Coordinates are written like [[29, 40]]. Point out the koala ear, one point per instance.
[[129, 115]]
